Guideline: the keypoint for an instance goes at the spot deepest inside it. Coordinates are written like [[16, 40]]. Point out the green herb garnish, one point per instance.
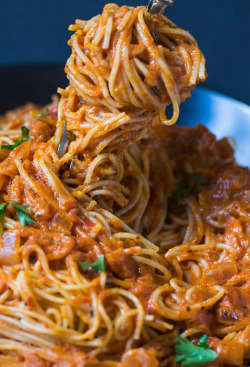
[[97, 266], [25, 137], [25, 132], [20, 210], [188, 184], [3, 209], [191, 355], [43, 111]]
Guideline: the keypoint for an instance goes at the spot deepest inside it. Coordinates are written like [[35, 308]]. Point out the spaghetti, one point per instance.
[[119, 233], [126, 59]]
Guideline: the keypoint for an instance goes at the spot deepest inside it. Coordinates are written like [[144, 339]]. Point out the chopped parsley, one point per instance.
[[25, 137], [191, 355], [20, 210], [188, 184], [97, 266], [3, 209], [43, 111]]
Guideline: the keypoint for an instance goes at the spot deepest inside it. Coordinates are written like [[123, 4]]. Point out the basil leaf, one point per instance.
[[25, 132], [191, 355], [21, 212], [97, 266], [25, 137], [43, 111], [3, 209]]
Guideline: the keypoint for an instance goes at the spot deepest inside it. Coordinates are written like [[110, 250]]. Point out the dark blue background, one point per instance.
[[33, 31]]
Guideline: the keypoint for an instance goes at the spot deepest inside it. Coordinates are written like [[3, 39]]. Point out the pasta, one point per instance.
[[119, 233], [127, 59]]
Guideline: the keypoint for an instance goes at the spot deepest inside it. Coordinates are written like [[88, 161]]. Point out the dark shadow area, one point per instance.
[[34, 83]]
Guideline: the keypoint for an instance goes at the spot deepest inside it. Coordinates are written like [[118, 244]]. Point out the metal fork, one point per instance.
[[158, 6]]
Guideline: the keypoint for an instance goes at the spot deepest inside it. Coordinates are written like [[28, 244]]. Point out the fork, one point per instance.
[[158, 6]]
